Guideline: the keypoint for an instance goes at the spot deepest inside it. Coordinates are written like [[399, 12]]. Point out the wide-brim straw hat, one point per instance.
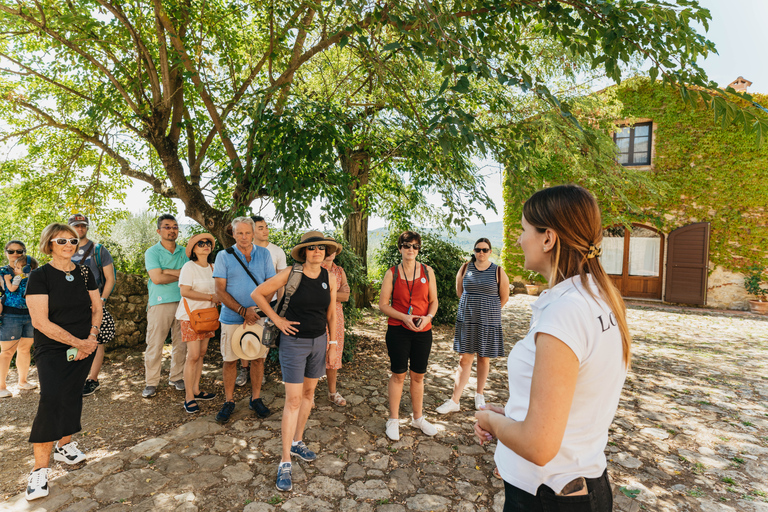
[[197, 238], [246, 342], [314, 238]]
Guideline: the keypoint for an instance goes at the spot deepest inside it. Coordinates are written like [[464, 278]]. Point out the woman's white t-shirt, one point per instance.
[[588, 327], [201, 280]]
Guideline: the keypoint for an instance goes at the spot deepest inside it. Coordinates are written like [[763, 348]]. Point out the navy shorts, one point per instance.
[[15, 327], [302, 358], [404, 345]]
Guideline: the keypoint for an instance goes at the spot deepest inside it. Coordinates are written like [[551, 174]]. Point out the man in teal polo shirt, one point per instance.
[[164, 261]]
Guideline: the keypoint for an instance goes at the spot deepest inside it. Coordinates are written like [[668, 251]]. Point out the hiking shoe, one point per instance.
[[258, 406], [205, 396], [191, 407], [226, 411], [178, 384], [479, 402], [68, 453], [301, 451], [284, 482], [448, 407], [243, 376], [149, 392], [424, 425], [37, 484], [90, 387], [393, 429]]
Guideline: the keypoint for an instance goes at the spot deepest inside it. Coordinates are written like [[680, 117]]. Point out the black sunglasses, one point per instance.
[[63, 241], [11, 251], [203, 243], [482, 249], [410, 246], [320, 247]]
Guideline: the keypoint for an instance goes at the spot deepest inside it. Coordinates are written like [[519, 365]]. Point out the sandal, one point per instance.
[[496, 473], [337, 399]]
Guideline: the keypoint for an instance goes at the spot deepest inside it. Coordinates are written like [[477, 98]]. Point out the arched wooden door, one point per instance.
[[687, 264], [634, 259]]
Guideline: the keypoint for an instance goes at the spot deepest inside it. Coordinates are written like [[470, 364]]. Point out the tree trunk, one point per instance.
[[357, 164]]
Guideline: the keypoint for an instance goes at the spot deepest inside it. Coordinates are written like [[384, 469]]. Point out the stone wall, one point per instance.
[[128, 305], [725, 290]]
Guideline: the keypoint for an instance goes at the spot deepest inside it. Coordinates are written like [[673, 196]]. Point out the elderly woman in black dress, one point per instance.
[[65, 307]]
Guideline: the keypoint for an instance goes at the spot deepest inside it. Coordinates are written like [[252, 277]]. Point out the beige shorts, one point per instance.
[[226, 347]]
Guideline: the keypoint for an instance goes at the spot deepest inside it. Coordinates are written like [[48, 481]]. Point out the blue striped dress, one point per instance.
[[478, 322]]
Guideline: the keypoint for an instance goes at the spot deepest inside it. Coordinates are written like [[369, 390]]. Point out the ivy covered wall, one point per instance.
[[708, 174]]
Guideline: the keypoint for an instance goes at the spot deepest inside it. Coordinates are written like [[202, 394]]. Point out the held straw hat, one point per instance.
[[246, 342]]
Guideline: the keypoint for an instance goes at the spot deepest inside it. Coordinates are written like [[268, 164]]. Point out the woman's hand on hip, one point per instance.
[[287, 326]]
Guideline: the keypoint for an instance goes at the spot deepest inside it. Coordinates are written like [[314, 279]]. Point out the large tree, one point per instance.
[[208, 102]]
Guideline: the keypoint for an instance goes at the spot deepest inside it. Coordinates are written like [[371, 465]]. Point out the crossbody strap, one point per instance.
[[231, 250]]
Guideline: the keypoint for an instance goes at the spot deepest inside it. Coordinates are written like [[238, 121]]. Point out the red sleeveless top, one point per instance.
[[418, 297]]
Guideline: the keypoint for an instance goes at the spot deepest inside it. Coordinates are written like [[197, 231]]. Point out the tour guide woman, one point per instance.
[[409, 334], [566, 375], [303, 354], [65, 307]]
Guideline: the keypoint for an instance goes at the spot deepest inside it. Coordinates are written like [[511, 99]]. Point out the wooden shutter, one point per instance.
[[687, 261]]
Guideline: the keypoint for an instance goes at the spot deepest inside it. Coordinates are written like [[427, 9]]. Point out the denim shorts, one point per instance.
[[302, 357], [15, 327]]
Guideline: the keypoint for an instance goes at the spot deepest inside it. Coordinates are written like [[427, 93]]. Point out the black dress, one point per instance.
[[61, 381]]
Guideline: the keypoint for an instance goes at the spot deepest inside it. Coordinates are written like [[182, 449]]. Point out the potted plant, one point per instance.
[[753, 284], [535, 283]]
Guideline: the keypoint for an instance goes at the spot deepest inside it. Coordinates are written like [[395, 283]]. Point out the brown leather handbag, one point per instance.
[[202, 320]]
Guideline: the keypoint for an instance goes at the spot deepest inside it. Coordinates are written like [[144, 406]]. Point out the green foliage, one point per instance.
[[129, 240], [753, 281], [445, 259]]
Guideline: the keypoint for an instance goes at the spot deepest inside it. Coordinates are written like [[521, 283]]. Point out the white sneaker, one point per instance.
[[37, 484], [424, 425], [393, 429], [68, 453], [448, 407], [4, 393], [479, 401]]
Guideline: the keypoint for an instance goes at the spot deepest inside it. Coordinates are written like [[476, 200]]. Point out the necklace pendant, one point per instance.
[[69, 277]]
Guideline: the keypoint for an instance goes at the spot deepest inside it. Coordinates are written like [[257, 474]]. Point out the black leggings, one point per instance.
[[599, 498]]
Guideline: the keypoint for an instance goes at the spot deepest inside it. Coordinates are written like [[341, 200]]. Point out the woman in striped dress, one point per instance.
[[483, 288]]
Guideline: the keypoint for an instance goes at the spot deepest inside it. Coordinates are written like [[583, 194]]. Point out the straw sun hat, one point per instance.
[[197, 238], [314, 238], [246, 342]]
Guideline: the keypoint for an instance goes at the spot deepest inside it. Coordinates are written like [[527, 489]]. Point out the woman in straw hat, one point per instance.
[[342, 295], [198, 291], [303, 355]]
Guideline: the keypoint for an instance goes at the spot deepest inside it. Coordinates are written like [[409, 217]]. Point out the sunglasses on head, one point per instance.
[[12, 251], [320, 247], [63, 241], [482, 249], [410, 246], [203, 243]]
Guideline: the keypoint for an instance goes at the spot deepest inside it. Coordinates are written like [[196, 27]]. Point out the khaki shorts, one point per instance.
[[226, 346]]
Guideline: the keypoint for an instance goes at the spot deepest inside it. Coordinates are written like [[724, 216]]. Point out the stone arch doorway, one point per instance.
[[634, 259]]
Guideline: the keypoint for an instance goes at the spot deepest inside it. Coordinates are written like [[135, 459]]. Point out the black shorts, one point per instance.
[[404, 344], [598, 499]]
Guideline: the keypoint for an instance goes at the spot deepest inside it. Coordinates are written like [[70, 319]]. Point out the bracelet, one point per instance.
[[240, 310], [96, 327], [94, 336], [103, 299], [333, 342], [430, 316]]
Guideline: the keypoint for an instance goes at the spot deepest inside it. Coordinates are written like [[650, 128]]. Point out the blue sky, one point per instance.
[[737, 28]]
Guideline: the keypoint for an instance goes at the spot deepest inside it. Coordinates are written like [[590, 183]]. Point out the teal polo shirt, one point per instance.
[[158, 256]]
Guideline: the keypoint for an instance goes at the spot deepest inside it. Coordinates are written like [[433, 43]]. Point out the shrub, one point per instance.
[[445, 258]]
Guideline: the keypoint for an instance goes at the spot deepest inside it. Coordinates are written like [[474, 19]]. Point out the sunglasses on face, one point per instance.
[[204, 243], [63, 241], [482, 249], [11, 251], [410, 246], [320, 247]]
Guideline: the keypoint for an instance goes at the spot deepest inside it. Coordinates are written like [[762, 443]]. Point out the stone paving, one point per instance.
[[691, 433]]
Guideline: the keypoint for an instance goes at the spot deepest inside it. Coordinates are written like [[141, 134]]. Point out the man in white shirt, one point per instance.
[[261, 238]]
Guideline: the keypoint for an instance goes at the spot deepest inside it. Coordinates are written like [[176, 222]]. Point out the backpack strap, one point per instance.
[[394, 278], [294, 279], [425, 272]]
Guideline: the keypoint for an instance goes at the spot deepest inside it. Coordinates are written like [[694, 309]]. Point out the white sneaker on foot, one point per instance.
[[393, 429], [424, 425], [37, 484], [68, 453], [448, 407], [479, 401], [4, 393]]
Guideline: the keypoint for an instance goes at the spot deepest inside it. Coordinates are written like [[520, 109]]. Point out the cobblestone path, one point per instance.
[[691, 433]]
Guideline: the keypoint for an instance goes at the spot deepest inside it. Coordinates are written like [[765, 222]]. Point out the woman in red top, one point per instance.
[[409, 335]]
